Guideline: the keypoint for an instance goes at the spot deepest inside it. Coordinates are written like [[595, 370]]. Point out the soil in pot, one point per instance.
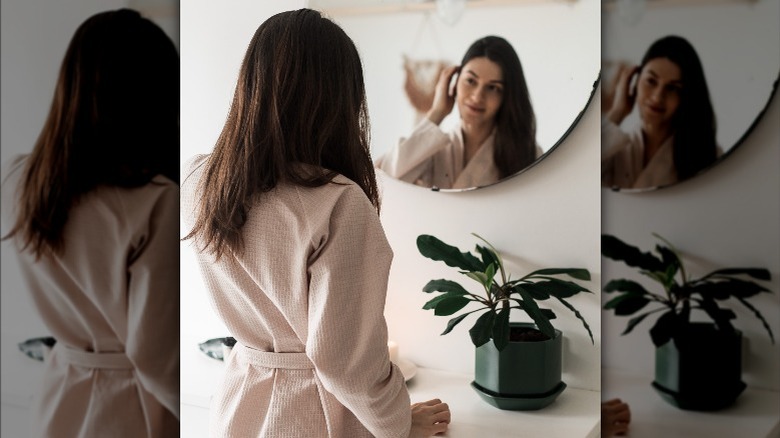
[[526, 334]]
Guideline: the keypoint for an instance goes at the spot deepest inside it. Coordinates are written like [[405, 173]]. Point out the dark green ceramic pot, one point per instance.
[[522, 369], [700, 370]]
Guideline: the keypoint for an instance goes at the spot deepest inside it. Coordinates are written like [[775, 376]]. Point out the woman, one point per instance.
[[496, 136], [284, 218], [676, 138], [93, 212]]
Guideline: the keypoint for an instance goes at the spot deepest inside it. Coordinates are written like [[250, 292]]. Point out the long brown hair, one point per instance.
[[695, 147], [515, 143], [300, 99], [113, 121]]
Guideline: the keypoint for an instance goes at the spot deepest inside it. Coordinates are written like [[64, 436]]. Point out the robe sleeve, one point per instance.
[[347, 333], [153, 303], [412, 158]]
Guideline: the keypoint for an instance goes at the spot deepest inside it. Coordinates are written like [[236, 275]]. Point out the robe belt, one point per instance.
[[91, 359], [269, 359]]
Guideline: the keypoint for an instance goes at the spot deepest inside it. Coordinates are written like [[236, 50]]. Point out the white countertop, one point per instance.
[[756, 413], [575, 413]]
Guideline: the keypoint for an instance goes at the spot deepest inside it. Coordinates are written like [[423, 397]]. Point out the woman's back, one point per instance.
[[311, 279], [107, 297]]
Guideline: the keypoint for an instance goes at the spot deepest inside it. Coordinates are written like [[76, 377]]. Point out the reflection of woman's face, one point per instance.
[[479, 90], [658, 91]]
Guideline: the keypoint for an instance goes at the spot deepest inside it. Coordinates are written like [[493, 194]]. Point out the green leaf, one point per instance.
[[634, 321], [450, 305], [720, 316], [501, 329], [483, 327], [436, 300], [759, 316], [721, 290], [434, 249], [669, 274], [623, 285], [659, 276], [626, 304], [555, 287], [616, 249], [549, 314], [664, 328], [615, 301], [493, 248], [670, 260], [480, 277], [536, 292], [578, 273], [488, 256], [532, 309], [442, 285], [490, 272], [579, 316], [757, 273], [453, 322]]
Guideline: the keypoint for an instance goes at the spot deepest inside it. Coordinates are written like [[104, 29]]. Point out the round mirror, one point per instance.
[[696, 77], [405, 44]]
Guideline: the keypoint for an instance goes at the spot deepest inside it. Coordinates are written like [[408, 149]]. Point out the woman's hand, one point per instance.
[[444, 96], [615, 416], [622, 97], [429, 418]]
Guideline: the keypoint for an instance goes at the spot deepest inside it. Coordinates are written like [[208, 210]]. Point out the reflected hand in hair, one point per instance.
[[620, 96], [615, 417], [444, 97], [429, 418], [495, 135]]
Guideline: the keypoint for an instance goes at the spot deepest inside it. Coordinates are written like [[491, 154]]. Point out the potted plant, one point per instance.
[[521, 368], [698, 365]]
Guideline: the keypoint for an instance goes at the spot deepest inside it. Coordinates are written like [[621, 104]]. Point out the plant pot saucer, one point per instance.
[[519, 403], [701, 402]]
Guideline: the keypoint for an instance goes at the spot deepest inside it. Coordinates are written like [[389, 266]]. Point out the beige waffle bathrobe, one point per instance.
[[305, 301], [112, 302], [431, 157], [622, 160]]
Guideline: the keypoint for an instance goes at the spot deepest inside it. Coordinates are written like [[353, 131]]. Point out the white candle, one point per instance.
[[392, 347]]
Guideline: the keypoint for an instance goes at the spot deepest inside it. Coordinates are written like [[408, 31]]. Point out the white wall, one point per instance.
[[727, 217], [33, 39], [548, 216]]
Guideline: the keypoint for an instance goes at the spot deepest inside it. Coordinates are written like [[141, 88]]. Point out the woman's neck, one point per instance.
[[474, 136]]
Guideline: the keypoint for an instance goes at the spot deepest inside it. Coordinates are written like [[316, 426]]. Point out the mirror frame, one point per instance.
[[609, 5]]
